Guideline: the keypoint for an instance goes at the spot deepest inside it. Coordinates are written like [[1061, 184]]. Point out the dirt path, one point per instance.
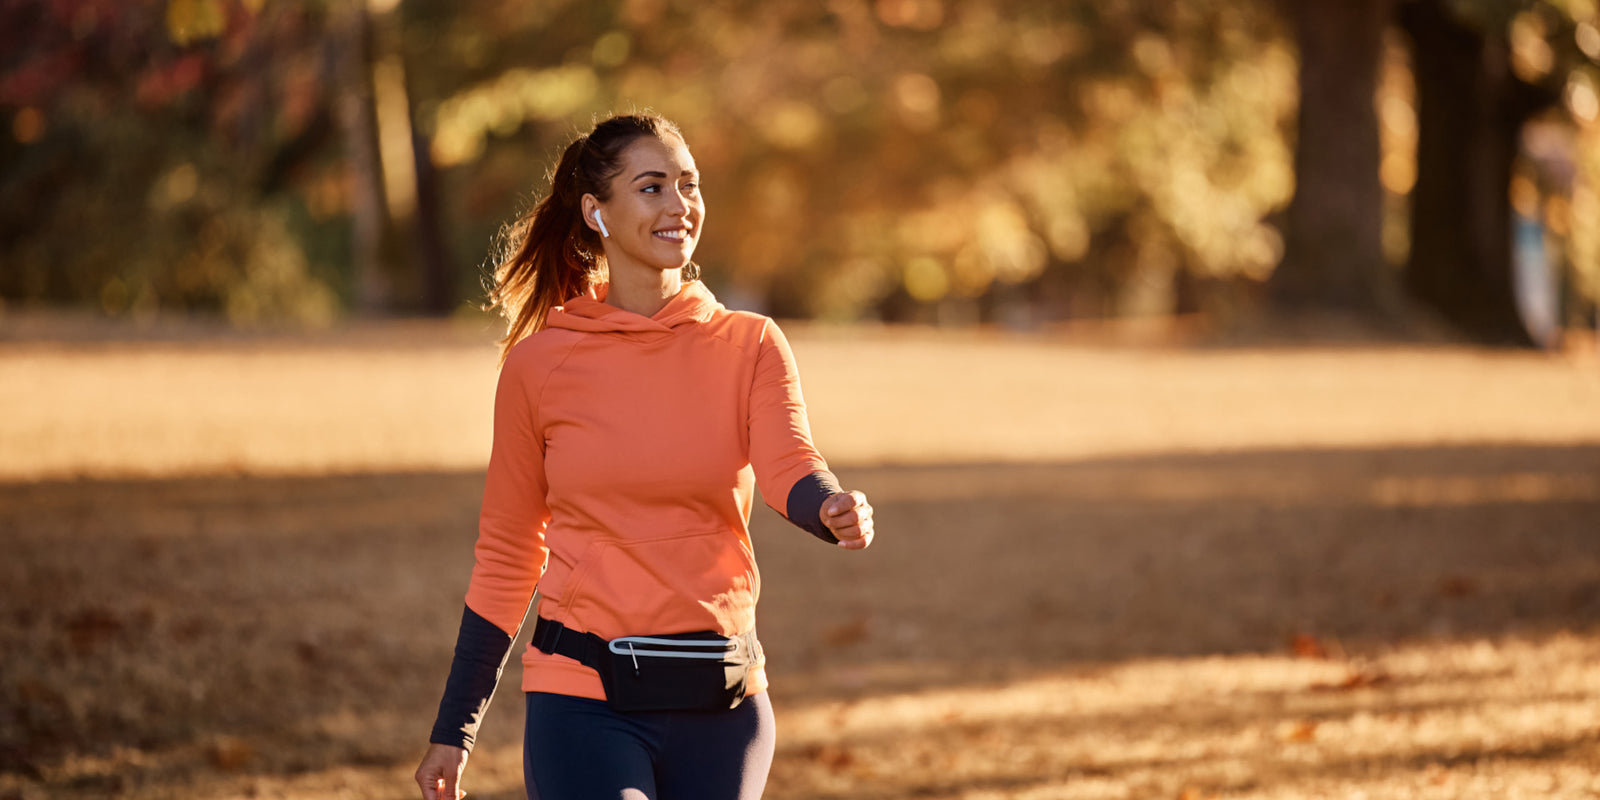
[[1105, 572]]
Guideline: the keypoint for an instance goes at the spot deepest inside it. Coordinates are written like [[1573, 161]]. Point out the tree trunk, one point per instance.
[[438, 279], [1333, 253], [1470, 111], [369, 209]]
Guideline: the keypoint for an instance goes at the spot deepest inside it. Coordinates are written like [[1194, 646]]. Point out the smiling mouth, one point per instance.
[[678, 235]]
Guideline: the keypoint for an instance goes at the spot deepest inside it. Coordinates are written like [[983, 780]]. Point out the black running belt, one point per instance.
[[591, 651]]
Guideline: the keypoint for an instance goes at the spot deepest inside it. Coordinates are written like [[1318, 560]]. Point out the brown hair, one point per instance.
[[548, 254]]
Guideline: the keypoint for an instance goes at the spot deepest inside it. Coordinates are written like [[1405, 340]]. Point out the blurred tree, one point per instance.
[[1482, 69], [398, 213], [1471, 106], [358, 113], [912, 159], [185, 155], [143, 135], [1333, 256]]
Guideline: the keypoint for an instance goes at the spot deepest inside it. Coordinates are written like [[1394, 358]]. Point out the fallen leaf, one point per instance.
[[191, 629], [1357, 679], [832, 756], [1303, 731], [1304, 645], [88, 628], [35, 692], [231, 754], [845, 633]]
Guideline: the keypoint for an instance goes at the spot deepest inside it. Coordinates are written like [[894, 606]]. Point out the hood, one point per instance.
[[589, 312]]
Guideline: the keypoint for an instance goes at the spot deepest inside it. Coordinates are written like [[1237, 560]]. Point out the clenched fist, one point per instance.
[[849, 516]]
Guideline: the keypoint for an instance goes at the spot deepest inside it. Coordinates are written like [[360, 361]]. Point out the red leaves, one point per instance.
[[162, 84]]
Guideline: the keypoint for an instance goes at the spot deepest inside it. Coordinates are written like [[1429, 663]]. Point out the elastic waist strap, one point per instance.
[[550, 637]]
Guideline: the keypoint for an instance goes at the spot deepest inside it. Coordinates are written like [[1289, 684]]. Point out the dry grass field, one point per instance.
[[233, 566]]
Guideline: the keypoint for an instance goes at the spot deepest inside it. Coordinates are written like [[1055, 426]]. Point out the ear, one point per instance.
[[590, 204]]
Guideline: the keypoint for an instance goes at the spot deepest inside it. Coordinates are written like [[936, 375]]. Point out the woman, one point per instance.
[[633, 416]]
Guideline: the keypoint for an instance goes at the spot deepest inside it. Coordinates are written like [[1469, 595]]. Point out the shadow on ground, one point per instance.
[[156, 633]]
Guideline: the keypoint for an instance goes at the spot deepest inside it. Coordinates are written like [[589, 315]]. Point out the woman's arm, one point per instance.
[[510, 556], [787, 464]]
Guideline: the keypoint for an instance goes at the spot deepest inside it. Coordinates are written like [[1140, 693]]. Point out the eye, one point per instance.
[[691, 187], [654, 188]]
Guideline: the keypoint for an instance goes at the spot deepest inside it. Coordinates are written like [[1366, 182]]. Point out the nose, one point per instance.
[[679, 207]]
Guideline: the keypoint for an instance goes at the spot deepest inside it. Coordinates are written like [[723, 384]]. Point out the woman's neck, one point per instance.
[[643, 291]]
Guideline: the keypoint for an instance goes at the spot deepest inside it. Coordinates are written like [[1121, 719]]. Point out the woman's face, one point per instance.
[[655, 212]]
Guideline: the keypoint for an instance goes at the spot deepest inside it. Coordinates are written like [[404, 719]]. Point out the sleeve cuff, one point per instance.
[[481, 652], [804, 507]]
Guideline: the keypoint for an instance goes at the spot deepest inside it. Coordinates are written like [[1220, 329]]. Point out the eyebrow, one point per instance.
[[655, 174]]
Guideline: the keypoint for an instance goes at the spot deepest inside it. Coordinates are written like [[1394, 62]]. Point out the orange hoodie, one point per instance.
[[626, 452]]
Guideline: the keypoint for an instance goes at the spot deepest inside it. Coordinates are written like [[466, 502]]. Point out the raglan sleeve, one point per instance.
[[510, 555], [793, 476]]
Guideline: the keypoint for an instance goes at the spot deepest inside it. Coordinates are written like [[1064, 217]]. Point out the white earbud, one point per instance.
[[602, 224]]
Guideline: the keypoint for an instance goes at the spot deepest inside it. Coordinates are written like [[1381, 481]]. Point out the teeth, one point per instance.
[[678, 234]]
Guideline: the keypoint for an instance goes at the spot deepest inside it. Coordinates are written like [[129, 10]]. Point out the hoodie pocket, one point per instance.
[[704, 581]]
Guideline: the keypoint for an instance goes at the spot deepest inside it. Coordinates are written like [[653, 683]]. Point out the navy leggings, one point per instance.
[[579, 749]]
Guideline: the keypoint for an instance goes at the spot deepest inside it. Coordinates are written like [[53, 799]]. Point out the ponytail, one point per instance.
[[548, 255]]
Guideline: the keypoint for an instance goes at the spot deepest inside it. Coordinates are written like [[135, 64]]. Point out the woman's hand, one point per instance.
[[849, 516], [440, 773]]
